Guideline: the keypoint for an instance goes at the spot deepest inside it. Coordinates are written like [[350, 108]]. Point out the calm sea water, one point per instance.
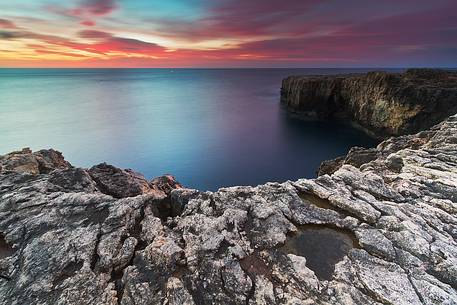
[[209, 128]]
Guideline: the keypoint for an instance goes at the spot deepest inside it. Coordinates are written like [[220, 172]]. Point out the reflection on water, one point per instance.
[[209, 128], [322, 247]]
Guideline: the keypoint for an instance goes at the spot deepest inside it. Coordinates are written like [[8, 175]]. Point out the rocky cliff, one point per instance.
[[383, 104], [380, 230]]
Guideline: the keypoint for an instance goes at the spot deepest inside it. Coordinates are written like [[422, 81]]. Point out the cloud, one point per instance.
[[127, 45], [392, 39], [239, 18], [94, 34], [86, 8], [270, 32], [7, 24], [109, 44], [44, 51], [104, 43], [88, 23], [10, 35], [99, 7]]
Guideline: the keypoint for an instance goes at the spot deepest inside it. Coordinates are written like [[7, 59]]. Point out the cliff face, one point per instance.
[[384, 104], [381, 231]]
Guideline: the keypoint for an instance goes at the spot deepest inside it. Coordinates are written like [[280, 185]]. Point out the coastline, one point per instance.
[[380, 103], [376, 226], [171, 243], [194, 152]]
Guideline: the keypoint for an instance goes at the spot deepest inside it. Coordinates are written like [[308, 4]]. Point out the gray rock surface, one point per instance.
[[355, 157], [383, 104], [67, 238]]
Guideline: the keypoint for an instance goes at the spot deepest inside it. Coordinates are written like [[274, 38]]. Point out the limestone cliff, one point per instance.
[[380, 230], [384, 104]]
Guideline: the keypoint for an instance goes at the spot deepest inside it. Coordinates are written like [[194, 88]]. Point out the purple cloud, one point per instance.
[[94, 34], [87, 8]]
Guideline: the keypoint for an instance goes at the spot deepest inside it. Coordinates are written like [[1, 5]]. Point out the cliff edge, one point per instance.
[[383, 104], [381, 232]]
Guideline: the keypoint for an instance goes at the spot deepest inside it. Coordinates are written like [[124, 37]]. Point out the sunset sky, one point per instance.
[[228, 33]]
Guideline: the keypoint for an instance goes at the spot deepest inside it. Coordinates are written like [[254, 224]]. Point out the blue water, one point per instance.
[[209, 128]]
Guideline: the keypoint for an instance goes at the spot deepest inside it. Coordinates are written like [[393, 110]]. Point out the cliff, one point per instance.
[[383, 104], [381, 232]]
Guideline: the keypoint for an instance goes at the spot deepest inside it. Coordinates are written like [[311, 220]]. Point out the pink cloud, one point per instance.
[[86, 8], [300, 32], [127, 45], [99, 7], [240, 18], [109, 44], [7, 24], [94, 34], [87, 23], [104, 42]]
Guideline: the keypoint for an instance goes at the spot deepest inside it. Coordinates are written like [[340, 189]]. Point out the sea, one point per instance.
[[209, 128]]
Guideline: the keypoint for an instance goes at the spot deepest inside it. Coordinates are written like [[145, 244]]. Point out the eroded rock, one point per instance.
[[117, 182], [40, 162], [383, 104], [387, 230]]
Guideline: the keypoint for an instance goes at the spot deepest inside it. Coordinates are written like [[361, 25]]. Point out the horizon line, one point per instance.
[[239, 68]]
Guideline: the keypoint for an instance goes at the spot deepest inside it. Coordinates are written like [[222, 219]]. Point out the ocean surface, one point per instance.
[[208, 127]]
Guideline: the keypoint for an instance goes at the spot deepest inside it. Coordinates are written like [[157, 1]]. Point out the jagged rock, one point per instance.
[[121, 183], [355, 157], [381, 103], [67, 236], [177, 293], [328, 167], [165, 183], [117, 182], [73, 180], [39, 162]]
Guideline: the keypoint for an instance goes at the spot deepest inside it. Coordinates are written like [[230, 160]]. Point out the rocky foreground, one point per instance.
[[381, 103], [380, 230]]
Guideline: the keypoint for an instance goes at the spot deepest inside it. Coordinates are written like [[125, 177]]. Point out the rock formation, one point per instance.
[[382, 229], [381, 103]]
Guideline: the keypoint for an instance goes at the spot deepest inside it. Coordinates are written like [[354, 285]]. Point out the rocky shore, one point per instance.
[[383, 104], [381, 229]]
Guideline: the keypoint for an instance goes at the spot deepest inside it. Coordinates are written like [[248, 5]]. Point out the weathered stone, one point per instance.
[[328, 167], [40, 162], [67, 236], [117, 182], [382, 103], [165, 183], [177, 293]]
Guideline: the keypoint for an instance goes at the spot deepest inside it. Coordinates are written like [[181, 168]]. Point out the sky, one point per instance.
[[228, 33]]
